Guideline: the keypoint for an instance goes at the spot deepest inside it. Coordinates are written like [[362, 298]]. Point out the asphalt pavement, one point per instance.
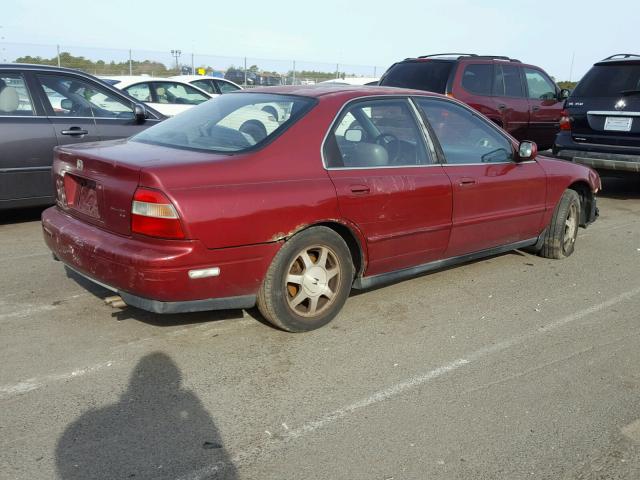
[[512, 367]]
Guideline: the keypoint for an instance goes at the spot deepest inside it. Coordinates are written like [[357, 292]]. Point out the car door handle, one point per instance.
[[74, 131], [359, 189], [466, 181], [502, 106], [535, 108]]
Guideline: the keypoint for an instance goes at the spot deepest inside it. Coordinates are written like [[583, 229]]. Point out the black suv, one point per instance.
[[601, 123]]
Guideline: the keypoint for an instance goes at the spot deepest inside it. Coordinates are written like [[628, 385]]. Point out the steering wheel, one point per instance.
[[391, 144]]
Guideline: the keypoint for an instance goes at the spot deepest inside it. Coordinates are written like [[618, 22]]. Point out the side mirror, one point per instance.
[[353, 135], [564, 94], [527, 150], [66, 104], [139, 113]]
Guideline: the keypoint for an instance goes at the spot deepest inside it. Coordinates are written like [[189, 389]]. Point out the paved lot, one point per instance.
[[515, 367]]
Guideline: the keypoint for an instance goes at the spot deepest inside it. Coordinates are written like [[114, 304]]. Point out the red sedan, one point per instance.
[[352, 188]]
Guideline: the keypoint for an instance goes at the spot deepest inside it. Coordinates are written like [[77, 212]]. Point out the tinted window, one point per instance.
[[177, 93], [540, 87], [206, 85], [233, 123], [477, 79], [74, 97], [429, 75], [226, 87], [608, 81], [464, 137], [378, 133], [507, 81], [14, 96]]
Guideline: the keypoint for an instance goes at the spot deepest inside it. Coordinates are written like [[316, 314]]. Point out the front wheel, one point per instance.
[[560, 237], [308, 281]]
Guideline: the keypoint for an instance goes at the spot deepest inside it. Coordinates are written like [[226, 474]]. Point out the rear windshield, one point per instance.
[[609, 81], [230, 123], [431, 75]]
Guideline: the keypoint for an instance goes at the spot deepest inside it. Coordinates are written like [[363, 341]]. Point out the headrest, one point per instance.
[[9, 100]]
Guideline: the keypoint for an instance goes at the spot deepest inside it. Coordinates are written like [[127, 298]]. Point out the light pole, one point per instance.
[[176, 54]]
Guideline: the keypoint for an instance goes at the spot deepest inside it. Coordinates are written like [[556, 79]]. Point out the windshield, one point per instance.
[[609, 81], [431, 75], [231, 123]]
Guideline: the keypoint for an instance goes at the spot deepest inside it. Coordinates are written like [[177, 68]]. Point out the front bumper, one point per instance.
[[153, 274]]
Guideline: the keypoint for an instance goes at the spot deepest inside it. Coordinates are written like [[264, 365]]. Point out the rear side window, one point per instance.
[[477, 78], [609, 81], [14, 96], [431, 75], [226, 87], [206, 85], [508, 82]]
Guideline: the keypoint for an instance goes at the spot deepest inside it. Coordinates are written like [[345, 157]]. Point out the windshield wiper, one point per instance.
[[630, 92]]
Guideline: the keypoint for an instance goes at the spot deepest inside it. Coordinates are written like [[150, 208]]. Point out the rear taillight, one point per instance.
[[153, 214], [565, 121]]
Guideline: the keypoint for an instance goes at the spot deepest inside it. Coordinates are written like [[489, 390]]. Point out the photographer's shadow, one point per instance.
[[156, 430]]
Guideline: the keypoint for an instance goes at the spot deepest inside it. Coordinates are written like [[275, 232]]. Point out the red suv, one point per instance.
[[520, 98]]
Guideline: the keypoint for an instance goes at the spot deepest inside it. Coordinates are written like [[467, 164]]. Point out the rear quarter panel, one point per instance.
[[257, 197]]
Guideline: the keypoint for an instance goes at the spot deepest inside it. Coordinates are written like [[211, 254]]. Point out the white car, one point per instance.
[[171, 97], [167, 96], [358, 81], [212, 85], [218, 86]]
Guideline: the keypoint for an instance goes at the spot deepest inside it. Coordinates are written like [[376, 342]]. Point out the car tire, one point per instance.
[[560, 236], [308, 281], [254, 129]]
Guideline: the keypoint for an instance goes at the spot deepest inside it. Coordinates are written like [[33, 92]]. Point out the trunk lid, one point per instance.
[[95, 182]]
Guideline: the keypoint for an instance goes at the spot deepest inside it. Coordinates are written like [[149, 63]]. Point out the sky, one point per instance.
[[328, 32]]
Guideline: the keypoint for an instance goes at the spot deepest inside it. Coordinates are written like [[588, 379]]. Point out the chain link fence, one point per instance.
[[246, 71]]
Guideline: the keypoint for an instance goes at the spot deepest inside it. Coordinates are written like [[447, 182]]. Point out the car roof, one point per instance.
[[191, 78], [620, 59], [346, 91], [33, 66]]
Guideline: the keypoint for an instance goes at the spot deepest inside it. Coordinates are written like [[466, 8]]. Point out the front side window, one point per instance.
[[177, 93], [206, 85], [233, 123], [226, 87], [378, 133], [539, 86], [465, 138], [477, 78], [140, 91], [507, 81], [74, 97], [14, 96]]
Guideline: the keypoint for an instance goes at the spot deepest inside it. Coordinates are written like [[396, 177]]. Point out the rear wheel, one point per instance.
[[308, 281], [560, 237]]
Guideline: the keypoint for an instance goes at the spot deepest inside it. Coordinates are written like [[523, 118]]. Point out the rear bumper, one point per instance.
[[154, 274], [601, 157]]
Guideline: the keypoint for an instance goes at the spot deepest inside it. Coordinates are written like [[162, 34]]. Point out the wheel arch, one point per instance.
[[350, 234], [587, 198]]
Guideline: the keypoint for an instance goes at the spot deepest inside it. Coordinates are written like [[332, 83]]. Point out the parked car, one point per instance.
[[520, 98], [41, 107], [170, 97], [192, 215], [213, 86], [352, 81], [601, 122]]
